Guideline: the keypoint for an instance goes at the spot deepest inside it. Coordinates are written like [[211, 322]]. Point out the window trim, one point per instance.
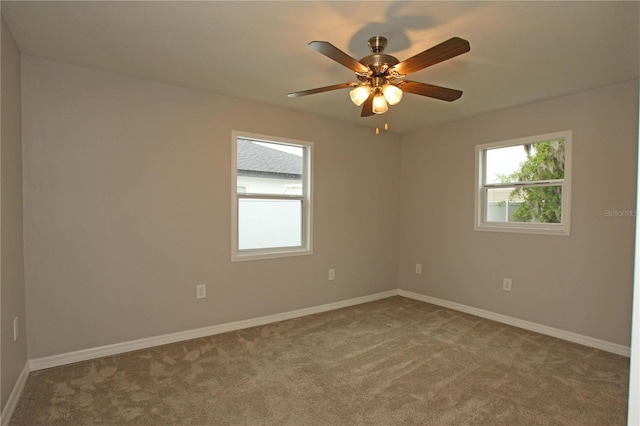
[[306, 247], [480, 223]]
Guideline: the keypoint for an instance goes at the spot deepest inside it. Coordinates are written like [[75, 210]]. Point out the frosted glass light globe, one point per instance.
[[360, 94], [380, 105], [392, 93]]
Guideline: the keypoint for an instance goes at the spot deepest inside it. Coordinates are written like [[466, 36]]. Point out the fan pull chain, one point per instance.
[[386, 127]]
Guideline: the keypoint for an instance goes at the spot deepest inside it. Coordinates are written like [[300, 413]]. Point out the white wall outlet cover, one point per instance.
[[506, 284], [201, 291]]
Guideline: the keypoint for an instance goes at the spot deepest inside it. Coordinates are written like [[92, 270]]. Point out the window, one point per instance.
[[271, 191], [524, 185]]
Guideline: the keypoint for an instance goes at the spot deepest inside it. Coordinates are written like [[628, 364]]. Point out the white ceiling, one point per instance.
[[521, 52]]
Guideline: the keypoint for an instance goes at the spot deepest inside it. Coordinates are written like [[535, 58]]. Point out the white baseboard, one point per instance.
[[527, 325], [7, 411], [118, 348]]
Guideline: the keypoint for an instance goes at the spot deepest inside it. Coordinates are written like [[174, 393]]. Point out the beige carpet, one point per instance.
[[392, 362]]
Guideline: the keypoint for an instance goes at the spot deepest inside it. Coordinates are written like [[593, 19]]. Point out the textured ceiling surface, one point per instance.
[[521, 52]]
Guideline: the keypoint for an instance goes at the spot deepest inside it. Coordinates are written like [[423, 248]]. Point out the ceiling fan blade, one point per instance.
[[332, 52], [367, 107], [429, 90], [322, 89], [446, 50]]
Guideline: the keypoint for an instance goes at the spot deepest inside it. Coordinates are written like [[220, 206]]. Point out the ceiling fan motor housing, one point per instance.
[[379, 63]]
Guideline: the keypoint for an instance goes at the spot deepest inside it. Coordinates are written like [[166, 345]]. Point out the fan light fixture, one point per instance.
[[380, 105], [389, 94], [360, 94], [392, 93]]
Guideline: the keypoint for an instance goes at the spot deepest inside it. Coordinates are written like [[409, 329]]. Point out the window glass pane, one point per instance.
[[269, 168], [503, 162], [525, 163], [269, 223], [539, 204]]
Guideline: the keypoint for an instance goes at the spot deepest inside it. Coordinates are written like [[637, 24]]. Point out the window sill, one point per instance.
[[560, 230], [269, 254]]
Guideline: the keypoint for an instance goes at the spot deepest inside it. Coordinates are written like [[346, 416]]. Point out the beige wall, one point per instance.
[[127, 207], [14, 354], [582, 283]]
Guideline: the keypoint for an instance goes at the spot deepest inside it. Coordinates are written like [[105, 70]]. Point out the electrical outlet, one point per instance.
[[201, 291], [332, 274], [16, 329], [506, 284], [418, 268]]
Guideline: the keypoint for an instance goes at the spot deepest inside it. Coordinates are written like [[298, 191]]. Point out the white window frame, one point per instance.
[[481, 224], [306, 247]]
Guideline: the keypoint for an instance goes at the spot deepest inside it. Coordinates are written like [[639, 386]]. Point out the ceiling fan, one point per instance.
[[382, 77]]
